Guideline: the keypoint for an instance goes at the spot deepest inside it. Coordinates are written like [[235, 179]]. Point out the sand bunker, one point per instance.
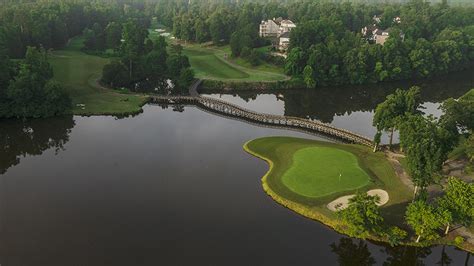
[[342, 202]]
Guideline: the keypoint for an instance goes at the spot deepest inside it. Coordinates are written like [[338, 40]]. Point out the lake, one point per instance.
[[352, 111], [174, 187]]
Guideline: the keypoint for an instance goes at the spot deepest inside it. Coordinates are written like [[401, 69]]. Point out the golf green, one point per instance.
[[322, 171]]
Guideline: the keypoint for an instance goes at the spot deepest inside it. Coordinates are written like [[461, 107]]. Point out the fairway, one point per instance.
[[79, 74], [214, 63], [208, 65], [322, 171]]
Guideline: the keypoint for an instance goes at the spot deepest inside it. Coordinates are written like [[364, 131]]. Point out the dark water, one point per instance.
[[162, 188], [351, 108]]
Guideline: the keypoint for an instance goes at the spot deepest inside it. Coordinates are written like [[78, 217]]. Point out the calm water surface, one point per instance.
[[351, 108], [169, 188]]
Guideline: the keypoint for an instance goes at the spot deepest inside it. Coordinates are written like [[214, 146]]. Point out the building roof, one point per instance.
[[287, 21]]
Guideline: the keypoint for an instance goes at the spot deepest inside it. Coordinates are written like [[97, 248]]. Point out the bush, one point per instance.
[[57, 100], [395, 235], [115, 74], [245, 53], [459, 240]]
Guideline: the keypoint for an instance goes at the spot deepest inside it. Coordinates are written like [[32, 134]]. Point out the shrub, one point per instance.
[[395, 235], [459, 240]]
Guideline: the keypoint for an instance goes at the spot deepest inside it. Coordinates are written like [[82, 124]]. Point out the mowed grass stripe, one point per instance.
[[207, 64], [322, 171], [213, 63]]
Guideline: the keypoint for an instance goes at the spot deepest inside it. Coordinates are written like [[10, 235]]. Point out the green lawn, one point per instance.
[[207, 65], [79, 73], [322, 171], [304, 175], [211, 62]]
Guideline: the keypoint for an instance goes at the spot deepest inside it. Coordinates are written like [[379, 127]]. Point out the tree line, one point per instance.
[[146, 64], [30, 29], [426, 143], [327, 47], [27, 88]]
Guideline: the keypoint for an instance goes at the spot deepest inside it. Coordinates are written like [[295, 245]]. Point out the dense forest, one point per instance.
[[30, 29], [326, 48]]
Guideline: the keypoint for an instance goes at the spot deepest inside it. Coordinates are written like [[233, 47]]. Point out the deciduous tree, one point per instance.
[[391, 113], [133, 46], [362, 216], [426, 145], [459, 201], [423, 219]]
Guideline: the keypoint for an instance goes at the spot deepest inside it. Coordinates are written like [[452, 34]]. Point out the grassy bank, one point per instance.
[[79, 74], [215, 63], [279, 153]]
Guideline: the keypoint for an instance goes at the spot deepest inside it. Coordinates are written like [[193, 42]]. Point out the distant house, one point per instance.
[[284, 41], [269, 28], [375, 35], [286, 26], [377, 19], [279, 30], [380, 36], [369, 32]]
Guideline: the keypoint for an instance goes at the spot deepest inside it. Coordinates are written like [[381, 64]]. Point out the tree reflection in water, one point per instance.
[[33, 137], [404, 255], [350, 253], [324, 104], [356, 252]]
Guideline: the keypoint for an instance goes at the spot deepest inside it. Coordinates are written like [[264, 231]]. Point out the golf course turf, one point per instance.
[[304, 176], [322, 171], [79, 73], [215, 63]]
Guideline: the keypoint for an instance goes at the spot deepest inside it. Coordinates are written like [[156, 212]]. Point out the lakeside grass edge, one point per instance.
[[334, 224]]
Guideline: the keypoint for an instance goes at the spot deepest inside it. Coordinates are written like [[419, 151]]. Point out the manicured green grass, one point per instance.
[[279, 153], [322, 171], [79, 73], [207, 65], [284, 153], [215, 63]]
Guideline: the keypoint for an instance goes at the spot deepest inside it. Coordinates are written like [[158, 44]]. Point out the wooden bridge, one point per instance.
[[228, 109]]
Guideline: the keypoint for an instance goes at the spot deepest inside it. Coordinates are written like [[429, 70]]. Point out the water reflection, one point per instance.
[[445, 259], [350, 253], [349, 107], [162, 188], [402, 255], [33, 137]]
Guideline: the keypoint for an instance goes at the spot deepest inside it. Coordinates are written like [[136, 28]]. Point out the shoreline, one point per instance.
[[313, 214]]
